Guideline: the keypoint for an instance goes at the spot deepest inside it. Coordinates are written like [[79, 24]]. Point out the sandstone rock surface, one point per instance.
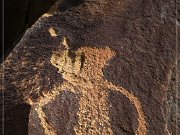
[[97, 68]]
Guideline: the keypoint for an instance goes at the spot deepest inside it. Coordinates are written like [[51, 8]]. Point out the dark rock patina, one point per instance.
[[142, 34]]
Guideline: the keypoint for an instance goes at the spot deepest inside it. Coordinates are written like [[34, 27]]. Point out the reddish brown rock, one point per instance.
[[97, 67]]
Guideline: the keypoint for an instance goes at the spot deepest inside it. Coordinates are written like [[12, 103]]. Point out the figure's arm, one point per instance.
[[142, 129]]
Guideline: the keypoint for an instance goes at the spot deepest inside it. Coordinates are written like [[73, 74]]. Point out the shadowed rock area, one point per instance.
[[17, 118], [18, 16], [97, 67]]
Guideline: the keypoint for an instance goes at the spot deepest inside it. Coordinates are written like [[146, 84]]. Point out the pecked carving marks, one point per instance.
[[62, 112], [61, 94], [94, 111], [48, 129], [141, 130], [122, 120], [91, 113]]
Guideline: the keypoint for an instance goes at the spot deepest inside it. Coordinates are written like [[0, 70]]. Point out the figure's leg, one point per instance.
[[142, 130]]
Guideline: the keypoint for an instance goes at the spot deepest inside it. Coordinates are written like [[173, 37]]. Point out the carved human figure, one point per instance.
[[84, 72]]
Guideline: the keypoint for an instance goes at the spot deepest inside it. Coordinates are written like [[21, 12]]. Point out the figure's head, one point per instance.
[[86, 62]]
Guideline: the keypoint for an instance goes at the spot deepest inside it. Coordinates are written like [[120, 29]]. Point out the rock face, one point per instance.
[[19, 15], [97, 68]]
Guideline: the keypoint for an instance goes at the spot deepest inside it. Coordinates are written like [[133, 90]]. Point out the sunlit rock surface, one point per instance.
[[97, 68]]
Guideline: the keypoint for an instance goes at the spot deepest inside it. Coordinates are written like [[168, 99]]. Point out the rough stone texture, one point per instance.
[[97, 67], [62, 112], [173, 97], [18, 16]]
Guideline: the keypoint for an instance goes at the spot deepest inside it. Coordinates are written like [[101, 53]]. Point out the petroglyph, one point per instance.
[[48, 97], [53, 32], [94, 89]]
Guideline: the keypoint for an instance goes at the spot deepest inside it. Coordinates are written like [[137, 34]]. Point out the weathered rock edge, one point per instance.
[[143, 36]]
